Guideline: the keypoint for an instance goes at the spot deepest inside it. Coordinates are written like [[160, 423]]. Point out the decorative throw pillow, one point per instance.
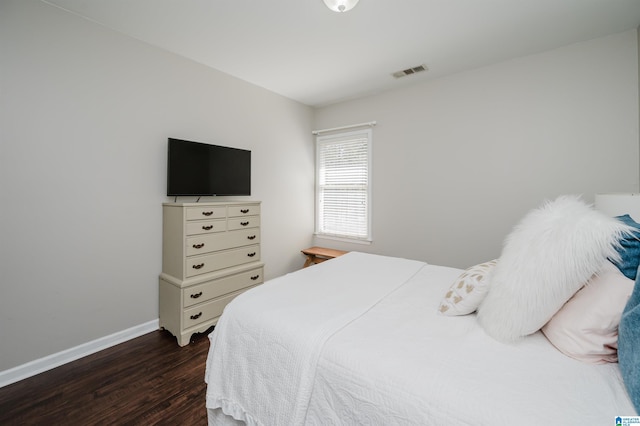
[[586, 327], [546, 259], [629, 249], [467, 291], [628, 344]]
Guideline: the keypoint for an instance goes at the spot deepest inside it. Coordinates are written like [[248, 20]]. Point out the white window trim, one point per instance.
[[346, 136]]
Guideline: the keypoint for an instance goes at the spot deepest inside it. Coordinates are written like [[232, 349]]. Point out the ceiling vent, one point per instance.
[[410, 71]]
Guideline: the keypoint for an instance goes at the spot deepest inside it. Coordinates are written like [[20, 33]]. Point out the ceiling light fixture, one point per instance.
[[341, 5]]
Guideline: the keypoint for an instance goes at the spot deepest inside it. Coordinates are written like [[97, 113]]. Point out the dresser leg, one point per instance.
[[184, 339]]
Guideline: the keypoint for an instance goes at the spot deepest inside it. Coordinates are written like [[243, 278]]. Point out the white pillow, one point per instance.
[[586, 328], [546, 259], [467, 291]]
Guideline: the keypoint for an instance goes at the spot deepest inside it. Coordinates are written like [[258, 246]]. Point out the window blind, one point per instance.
[[343, 190]]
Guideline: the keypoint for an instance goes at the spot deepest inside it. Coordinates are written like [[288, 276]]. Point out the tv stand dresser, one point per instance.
[[210, 255]]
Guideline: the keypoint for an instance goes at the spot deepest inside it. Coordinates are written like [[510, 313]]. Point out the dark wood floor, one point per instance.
[[149, 380]]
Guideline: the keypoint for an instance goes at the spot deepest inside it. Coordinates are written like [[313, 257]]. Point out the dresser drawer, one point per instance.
[[206, 311], [225, 259], [206, 212], [212, 289], [203, 244], [206, 226], [234, 223], [247, 210]]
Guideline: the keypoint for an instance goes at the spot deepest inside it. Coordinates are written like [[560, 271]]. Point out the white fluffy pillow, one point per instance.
[[546, 259], [467, 291]]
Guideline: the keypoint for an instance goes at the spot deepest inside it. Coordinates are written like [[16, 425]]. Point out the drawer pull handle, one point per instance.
[[195, 296], [198, 266], [251, 254], [255, 277], [198, 246], [207, 227], [244, 223], [196, 316], [245, 211], [207, 213], [251, 237]]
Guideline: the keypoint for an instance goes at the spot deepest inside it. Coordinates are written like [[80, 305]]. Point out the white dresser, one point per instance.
[[210, 254]]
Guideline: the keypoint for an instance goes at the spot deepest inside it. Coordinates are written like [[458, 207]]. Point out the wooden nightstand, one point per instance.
[[320, 254]]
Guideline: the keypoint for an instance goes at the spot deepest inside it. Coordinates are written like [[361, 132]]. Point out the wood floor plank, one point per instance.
[[149, 380]]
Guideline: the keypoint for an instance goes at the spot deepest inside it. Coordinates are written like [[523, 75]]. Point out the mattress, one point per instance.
[[358, 340]]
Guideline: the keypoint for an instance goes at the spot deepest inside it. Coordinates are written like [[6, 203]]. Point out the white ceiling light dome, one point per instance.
[[340, 5]]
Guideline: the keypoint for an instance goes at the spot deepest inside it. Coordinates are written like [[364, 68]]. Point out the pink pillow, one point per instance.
[[586, 327]]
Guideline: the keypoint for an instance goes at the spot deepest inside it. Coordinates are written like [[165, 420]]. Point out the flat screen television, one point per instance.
[[195, 168]]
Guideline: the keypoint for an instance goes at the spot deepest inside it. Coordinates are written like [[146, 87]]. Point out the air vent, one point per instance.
[[410, 71]]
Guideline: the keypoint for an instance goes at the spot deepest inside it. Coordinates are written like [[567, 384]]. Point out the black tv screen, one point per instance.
[[195, 168]]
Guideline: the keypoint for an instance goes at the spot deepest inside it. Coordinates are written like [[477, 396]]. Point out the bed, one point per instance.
[[531, 338], [360, 340]]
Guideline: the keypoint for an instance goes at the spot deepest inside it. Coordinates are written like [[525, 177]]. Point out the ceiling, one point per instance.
[[302, 50]]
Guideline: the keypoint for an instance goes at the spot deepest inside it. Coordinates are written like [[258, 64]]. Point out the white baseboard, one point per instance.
[[49, 362]]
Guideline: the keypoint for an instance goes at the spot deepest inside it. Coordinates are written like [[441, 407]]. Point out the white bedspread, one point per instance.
[[356, 341], [264, 349]]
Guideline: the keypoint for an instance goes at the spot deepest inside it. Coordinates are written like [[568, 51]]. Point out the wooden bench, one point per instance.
[[320, 254]]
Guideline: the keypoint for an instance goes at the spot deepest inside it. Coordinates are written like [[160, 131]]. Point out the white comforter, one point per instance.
[[358, 341]]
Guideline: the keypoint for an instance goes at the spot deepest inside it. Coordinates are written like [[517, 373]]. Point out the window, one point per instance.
[[343, 185]]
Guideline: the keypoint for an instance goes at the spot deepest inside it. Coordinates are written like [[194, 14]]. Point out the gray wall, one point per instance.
[[459, 160], [85, 114]]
